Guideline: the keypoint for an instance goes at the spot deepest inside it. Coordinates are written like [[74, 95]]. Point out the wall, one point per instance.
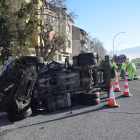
[[76, 33]]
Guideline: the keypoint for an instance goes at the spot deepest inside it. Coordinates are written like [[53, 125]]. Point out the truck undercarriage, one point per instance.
[[27, 82]]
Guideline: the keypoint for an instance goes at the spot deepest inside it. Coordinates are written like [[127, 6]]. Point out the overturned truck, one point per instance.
[[27, 82]]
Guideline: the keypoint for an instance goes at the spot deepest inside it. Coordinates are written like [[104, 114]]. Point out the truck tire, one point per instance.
[[87, 55], [108, 91], [91, 102], [75, 60], [78, 98], [17, 117], [34, 59], [95, 95], [89, 61]]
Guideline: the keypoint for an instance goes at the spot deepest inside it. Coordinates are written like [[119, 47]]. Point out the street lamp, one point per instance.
[[117, 46], [113, 40]]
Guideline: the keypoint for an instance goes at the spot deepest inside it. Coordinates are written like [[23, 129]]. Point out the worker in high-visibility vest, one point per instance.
[[132, 70], [113, 65], [123, 68]]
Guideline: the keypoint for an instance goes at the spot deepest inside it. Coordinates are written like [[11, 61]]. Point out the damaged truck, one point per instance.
[[27, 82]]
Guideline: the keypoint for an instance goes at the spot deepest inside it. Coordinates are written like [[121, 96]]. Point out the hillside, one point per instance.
[[131, 53]]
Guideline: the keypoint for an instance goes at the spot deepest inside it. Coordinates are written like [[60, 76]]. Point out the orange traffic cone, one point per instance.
[[126, 89], [111, 102], [117, 88]]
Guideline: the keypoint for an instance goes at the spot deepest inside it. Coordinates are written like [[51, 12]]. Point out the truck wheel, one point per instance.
[[90, 96], [89, 61], [78, 98], [87, 55], [17, 117], [75, 61], [108, 91], [90, 102], [34, 59]]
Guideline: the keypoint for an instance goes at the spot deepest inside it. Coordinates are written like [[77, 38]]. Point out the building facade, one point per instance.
[[60, 26], [80, 41]]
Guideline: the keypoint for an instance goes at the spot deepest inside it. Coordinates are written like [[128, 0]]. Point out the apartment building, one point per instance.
[[80, 41], [66, 49]]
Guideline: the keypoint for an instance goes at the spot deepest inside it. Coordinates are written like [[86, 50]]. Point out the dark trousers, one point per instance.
[[122, 73], [112, 72]]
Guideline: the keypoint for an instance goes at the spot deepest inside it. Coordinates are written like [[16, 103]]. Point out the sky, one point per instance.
[[104, 19]]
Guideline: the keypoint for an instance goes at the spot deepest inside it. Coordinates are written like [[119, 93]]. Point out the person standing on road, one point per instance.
[[113, 66], [138, 64], [132, 70], [123, 68]]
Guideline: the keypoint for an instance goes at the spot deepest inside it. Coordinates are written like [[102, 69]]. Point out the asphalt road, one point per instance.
[[83, 122]]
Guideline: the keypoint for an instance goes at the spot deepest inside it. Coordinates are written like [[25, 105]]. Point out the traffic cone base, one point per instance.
[[126, 90], [126, 95], [118, 90], [111, 102], [112, 106]]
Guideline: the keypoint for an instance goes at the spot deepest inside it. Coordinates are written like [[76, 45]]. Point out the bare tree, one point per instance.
[[111, 54], [53, 33], [98, 47]]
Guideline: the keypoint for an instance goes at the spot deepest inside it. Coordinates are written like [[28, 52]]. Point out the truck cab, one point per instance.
[[119, 60]]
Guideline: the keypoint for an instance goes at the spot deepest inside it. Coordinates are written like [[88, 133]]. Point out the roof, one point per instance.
[[81, 30], [64, 10]]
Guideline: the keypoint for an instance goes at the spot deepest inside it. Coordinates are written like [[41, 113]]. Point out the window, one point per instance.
[[66, 56], [68, 28], [59, 57], [82, 36], [69, 44]]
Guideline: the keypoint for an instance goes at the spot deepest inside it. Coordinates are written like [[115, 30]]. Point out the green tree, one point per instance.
[[26, 27], [18, 29], [5, 45]]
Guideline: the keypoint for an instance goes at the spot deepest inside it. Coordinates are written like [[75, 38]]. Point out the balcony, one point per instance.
[[83, 51], [84, 41]]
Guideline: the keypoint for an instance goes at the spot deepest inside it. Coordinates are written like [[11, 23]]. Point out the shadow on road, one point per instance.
[[4, 121], [68, 115], [69, 112]]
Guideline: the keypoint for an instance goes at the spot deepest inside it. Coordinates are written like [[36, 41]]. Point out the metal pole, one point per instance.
[[113, 40], [117, 46]]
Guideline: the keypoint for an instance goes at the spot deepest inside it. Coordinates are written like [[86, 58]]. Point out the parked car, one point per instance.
[[28, 82]]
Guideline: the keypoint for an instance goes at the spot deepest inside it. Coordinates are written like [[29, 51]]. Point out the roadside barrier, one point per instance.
[[126, 89], [117, 88], [111, 102]]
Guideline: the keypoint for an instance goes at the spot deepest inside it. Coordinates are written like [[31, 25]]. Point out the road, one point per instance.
[[83, 122]]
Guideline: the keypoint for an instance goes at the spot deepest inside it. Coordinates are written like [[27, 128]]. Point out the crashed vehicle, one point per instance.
[[27, 82]]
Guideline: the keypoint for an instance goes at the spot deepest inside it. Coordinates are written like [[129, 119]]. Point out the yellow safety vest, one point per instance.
[[123, 67], [113, 64]]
